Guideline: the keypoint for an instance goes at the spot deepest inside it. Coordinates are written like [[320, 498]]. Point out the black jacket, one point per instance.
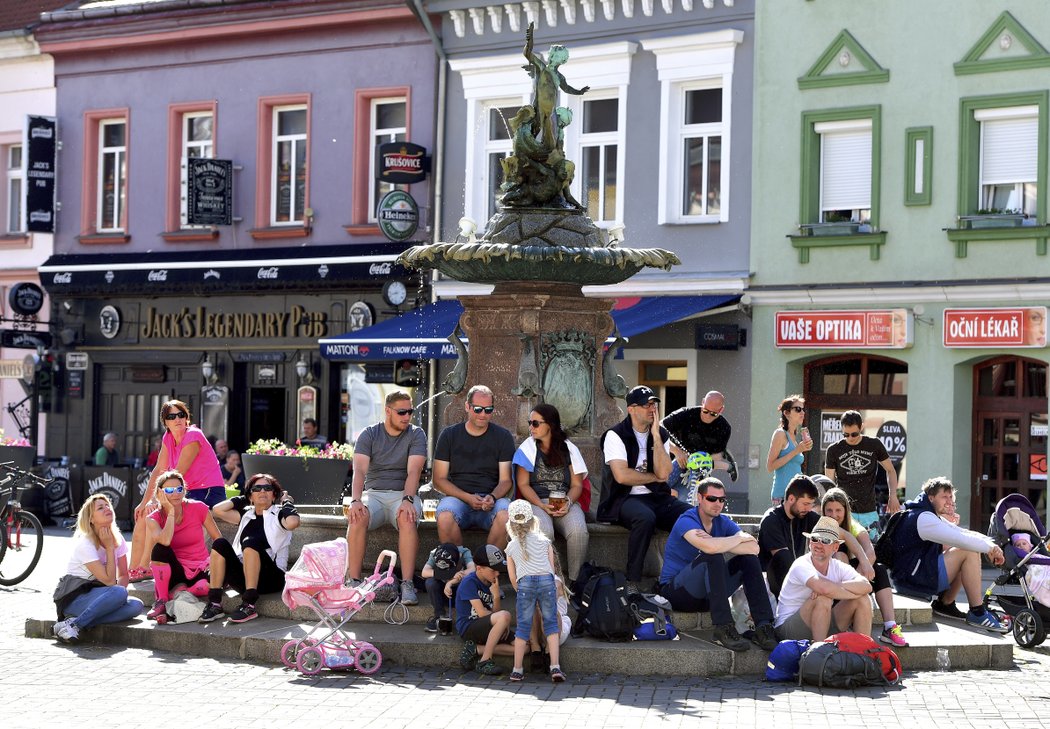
[[614, 492]]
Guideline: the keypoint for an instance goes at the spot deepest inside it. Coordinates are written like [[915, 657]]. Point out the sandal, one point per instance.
[[139, 574], [557, 676], [517, 676]]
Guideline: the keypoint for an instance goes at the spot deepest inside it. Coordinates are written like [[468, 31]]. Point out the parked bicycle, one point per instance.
[[21, 534]]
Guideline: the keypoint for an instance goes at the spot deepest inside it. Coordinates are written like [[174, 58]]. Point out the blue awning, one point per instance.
[[422, 333]]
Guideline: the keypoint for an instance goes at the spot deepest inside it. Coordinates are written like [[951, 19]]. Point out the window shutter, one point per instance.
[[1009, 150], [845, 170]]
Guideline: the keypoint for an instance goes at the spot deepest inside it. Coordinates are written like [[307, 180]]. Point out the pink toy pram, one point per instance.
[[316, 581]]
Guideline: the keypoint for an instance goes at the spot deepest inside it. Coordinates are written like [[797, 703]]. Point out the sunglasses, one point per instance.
[[259, 487], [404, 411], [713, 499], [537, 423], [826, 541], [178, 415], [487, 409], [852, 435], [174, 489], [710, 413], [797, 408]]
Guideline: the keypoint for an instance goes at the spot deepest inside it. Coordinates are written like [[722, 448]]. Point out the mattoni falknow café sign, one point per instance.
[[871, 329], [1021, 326]]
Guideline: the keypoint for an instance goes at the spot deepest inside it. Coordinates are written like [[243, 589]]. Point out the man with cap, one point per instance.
[[479, 620], [635, 493], [708, 557], [703, 428], [822, 595], [445, 568]]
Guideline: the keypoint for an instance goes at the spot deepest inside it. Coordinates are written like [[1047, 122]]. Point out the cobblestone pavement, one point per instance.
[[46, 684]]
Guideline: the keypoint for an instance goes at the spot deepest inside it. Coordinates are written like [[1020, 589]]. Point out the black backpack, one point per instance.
[[603, 607], [838, 664], [884, 544]]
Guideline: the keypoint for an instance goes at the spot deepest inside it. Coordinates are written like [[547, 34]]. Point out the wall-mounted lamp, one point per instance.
[[615, 235], [917, 312], [745, 304], [302, 368], [208, 371], [67, 305], [467, 227]]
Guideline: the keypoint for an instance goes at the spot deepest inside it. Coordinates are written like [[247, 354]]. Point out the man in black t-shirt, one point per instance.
[[853, 463], [781, 538], [702, 428]]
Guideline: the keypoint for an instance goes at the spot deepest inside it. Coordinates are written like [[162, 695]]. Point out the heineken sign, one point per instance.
[[398, 216]]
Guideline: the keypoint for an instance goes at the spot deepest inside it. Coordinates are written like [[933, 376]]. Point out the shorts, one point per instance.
[[468, 518], [383, 505], [870, 521], [795, 628], [478, 631], [210, 495]]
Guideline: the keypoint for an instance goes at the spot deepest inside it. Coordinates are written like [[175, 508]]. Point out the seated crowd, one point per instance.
[[819, 565]]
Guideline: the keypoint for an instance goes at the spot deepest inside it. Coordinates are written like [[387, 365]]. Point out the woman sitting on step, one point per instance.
[[180, 555], [258, 558]]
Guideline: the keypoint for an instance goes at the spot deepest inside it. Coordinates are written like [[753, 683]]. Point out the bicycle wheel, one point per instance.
[[25, 542]]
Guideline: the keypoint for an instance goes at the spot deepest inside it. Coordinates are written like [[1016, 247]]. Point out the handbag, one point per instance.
[[69, 588]]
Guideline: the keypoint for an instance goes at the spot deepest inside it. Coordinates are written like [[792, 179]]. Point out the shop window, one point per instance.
[[387, 122], [191, 135], [381, 115], [104, 184], [282, 194]]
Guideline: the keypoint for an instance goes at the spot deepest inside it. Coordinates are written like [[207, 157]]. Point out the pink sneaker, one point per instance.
[[158, 609], [894, 636]]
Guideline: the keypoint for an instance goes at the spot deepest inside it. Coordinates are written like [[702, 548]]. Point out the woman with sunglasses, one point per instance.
[[255, 563], [185, 449], [788, 446], [180, 556], [548, 463]]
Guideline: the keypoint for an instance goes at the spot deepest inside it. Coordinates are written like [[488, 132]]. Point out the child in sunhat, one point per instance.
[[530, 564]]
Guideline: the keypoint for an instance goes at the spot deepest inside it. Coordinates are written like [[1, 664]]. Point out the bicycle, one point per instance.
[[21, 533]]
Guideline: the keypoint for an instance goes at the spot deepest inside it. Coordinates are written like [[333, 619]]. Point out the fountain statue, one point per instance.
[[536, 338]]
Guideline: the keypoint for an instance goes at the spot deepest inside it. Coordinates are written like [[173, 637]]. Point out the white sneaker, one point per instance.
[[408, 593], [66, 631]]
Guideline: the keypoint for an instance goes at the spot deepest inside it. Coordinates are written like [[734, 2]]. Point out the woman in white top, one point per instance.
[[94, 589]]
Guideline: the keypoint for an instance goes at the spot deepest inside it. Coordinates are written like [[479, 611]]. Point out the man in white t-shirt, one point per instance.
[[822, 595]]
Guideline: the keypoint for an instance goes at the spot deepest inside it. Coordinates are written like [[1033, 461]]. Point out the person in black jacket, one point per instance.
[[635, 493]]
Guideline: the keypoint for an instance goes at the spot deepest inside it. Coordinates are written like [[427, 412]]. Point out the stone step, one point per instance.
[[261, 640]]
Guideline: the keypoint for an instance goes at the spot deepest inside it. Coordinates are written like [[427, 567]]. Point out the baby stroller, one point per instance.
[[1014, 589], [316, 581]]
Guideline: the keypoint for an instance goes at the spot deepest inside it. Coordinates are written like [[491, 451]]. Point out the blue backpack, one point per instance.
[[784, 660]]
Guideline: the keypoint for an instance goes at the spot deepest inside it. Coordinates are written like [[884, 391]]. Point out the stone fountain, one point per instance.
[[536, 338]]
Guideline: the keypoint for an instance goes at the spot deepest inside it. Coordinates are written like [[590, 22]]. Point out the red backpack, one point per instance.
[[826, 663]]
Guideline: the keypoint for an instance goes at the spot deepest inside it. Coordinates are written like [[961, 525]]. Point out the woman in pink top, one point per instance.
[[184, 449], [180, 556]]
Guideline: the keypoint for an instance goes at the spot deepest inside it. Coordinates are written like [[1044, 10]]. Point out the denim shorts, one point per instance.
[[536, 590], [468, 518]]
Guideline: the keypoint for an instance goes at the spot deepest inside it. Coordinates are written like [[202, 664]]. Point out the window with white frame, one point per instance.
[[696, 91], [112, 173], [388, 124], [197, 143], [497, 147], [599, 157], [845, 170], [1009, 159], [15, 188], [288, 176]]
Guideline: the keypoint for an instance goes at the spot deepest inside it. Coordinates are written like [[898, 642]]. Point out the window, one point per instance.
[[1009, 159], [388, 124], [497, 148], [112, 174], [599, 158], [845, 170], [696, 91], [15, 188], [288, 166], [197, 142]]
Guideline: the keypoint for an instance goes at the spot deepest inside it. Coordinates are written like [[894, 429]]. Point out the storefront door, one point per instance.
[[267, 417], [1009, 436]]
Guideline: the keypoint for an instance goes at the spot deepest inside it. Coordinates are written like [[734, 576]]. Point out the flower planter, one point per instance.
[[18, 456], [308, 480], [995, 221]]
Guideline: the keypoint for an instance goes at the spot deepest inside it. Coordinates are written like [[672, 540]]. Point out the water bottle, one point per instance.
[[944, 663]]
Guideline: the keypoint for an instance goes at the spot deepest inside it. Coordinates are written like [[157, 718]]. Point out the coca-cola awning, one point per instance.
[[221, 270]]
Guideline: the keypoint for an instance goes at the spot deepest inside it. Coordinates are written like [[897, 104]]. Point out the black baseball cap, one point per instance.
[[641, 395], [446, 561], [491, 556]]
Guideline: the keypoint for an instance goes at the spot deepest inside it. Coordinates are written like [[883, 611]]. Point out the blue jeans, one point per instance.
[[103, 605], [536, 590], [468, 518]]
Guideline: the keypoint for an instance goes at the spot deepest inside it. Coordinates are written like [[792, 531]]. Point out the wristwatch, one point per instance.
[[355, 501], [409, 499]]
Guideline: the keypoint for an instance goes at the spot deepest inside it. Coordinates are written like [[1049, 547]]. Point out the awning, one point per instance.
[[221, 270], [422, 333]]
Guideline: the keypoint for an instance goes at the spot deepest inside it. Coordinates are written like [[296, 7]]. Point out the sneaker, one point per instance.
[[517, 676], [984, 619], [432, 624], [408, 593], [158, 609], [468, 657], [894, 636], [557, 676], [764, 637], [727, 637], [243, 613], [947, 611], [66, 631], [212, 611], [488, 668]]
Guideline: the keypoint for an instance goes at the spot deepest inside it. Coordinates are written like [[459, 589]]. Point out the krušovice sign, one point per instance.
[[872, 329], [1022, 327]]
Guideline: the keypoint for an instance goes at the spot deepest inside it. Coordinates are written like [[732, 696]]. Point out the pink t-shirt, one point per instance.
[[187, 541], [204, 471]]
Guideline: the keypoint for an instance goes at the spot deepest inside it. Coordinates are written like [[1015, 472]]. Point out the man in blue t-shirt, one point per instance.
[[479, 620], [707, 558]]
